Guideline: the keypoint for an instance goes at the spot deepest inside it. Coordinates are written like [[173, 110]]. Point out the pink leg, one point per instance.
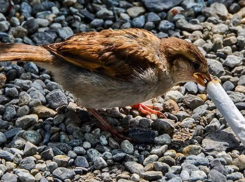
[[107, 127], [147, 110]]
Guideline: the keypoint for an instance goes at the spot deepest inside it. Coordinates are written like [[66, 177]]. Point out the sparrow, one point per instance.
[[115, 68]]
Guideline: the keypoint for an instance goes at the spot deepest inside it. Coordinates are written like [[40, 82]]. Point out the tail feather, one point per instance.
[[22, 52]]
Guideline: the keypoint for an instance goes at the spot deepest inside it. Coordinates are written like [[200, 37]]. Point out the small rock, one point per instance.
[[7, 177], [241, 80], [191, 87], [6, 155], [61, 160], [192, 150], [165, 26], [127, 147], [151, 175], [158, 5], [163, 126], [150, 159], [192, 101], [184, 25], [3, 138], [56, 98], [135, 11], [30, 149], [27, 163], [163, 139], [32, 136], [9, 113], [25, 176], [134, 167], [138, 22], [65, 32], [99, 163], [81, 161], [97, 23], [198, 175], [232, 61], [27, 121], [63, 173], [43, 111]]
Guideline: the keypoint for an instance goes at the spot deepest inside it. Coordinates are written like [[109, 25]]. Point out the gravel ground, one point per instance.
[[43, 138]]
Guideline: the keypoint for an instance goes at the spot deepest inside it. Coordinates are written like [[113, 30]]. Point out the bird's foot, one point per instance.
[[148, 109], [107, 127]]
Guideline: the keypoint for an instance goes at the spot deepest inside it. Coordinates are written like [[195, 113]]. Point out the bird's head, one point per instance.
[[185, 61]]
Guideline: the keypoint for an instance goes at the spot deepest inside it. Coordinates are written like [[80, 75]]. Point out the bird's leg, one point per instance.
[[107, 127], [10, 6], [147, 110]]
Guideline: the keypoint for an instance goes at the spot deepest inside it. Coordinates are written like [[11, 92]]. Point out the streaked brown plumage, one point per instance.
[[115, 67]]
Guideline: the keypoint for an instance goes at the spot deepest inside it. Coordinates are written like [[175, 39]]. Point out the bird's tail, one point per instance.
[[22, 52]]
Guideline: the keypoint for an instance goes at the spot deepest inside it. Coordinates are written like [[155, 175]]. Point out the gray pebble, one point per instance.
[[138, 22], [56, 98], [127, 147], [63, 173]]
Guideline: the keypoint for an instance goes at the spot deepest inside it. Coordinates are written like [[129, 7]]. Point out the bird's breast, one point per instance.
[[93, 90]]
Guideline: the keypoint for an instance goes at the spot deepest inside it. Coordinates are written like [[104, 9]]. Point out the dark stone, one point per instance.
[[163, 126], [56, 98], [63, 173], [142, 135], [44, 37], [165, 25], [87, 14], [219, 140], [31, 25], [26, 9], [12, 132], [240, 105], [3, 6], [138, 22], [44, 6], [160, 5]]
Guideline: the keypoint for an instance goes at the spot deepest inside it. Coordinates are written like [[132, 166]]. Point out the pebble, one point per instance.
[[65, 32], [27, 121], [134, 167], [135, 11], [27, 163], [25, 176], [138, 22], [151, 175], [163, 139], [56, 98], [232, 61], [63, 173], [61, 160], [174, 95], [127, 147], [3, 138], [30, 149], [32, 136], [99, 163], [192, 101], [81, 161], [165, 126], [43, 111]]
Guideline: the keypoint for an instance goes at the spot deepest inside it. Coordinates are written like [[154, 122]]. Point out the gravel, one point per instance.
[[44, 136]]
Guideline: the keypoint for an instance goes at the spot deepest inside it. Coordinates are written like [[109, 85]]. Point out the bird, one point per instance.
[[115, 68]]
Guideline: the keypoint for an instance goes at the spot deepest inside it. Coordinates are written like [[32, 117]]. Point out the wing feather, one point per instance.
[[115, 53]]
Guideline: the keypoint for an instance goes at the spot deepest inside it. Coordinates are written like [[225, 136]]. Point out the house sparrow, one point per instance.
[[115, 68]]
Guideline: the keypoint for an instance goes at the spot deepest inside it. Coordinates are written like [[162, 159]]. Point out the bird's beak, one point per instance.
[[202, 78]]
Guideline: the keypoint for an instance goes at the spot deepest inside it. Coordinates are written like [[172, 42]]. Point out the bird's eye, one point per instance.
[[196, 66]]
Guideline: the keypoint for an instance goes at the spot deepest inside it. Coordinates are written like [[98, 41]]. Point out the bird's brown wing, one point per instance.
[[115, 53]]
